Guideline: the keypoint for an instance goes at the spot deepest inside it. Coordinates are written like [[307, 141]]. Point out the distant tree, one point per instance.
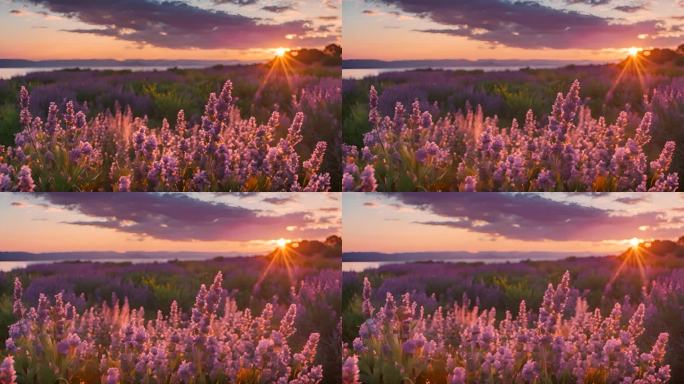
[[662, 56], [662, 247], [335, 50]]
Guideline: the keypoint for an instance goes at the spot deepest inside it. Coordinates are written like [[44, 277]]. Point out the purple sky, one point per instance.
[[197, 29], [507, 29]]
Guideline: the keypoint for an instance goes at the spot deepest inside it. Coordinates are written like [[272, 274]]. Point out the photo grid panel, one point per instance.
[[512, 288], [170, 288]]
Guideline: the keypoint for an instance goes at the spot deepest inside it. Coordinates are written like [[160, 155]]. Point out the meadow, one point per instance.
[[245, 320], [262, 127], [595, 319], [579, 128]]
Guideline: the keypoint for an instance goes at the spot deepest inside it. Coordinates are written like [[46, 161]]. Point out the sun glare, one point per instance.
[[282, 243], [633, 51], [634, 242], [280, 52]]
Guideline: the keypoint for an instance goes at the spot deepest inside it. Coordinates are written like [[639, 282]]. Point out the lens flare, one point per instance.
[[282, 243], [280, 52]]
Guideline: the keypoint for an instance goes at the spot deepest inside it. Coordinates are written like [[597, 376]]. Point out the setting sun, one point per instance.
[[634, 242], [633, 51], [280, 52], [282, 243]]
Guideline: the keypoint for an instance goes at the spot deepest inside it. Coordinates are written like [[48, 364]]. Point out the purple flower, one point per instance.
[[470, 184], [185, 371], [113, 376], [200, 181], [347, 182], [529, 371], [314, 163], [24, 104], [124, 184], [5, 183], [457, 376], [350, 370], [7, 373], [368, 182], [26, 183]]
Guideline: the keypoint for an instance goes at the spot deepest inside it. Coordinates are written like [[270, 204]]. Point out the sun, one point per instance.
[[633, 51], [280, 52], [634, 242], [282, 243]]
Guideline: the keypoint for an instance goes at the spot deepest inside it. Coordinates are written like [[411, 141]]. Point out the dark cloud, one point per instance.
[[174, 24], [236, 2], [278, 8], [16, 12], [633, 199], [280, 200], [179, 217], [332, 4], [328, 220], [325, 28], [529, 216], [525, 24], [588, 2], [630, 8]]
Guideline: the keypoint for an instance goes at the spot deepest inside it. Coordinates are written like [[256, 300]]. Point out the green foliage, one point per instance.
[[355, 124], [9, 122], [6, 315], [167, 98]]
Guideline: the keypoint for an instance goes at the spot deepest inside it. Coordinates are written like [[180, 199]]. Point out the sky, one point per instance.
[[600, 224], [601, 30], [196, 222], [247, 30]]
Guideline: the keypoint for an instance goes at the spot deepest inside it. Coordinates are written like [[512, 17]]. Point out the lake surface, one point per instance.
[[360, 266], [7, 73], [6, 266], [360, 73]]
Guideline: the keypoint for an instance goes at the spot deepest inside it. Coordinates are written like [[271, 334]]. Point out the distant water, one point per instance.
[[7, 73], [360, 73], [6, 266], [359, 266]]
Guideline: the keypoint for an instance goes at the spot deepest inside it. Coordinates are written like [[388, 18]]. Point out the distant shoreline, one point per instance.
[[437, 64], [104, 63], [123, 256], [404, 257]]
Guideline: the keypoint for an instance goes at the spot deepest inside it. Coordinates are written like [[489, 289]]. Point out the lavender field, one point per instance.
[[271, 127], [244, 320], [568, 321], [580, 128]]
